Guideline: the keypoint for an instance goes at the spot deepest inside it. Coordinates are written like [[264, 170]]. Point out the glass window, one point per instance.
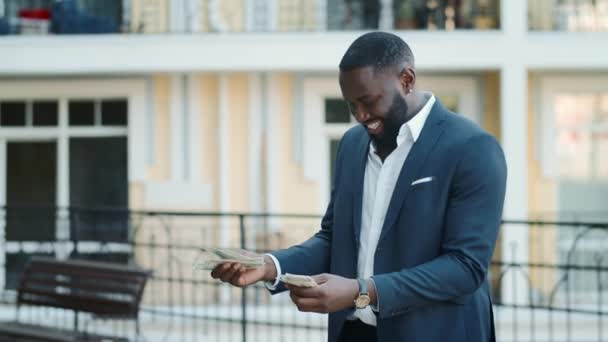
[[581, 128], [12, 113], [114, 112], [414, 14], [81, 112], [581, 149], [568, 15], [336, 111], [45, 113]]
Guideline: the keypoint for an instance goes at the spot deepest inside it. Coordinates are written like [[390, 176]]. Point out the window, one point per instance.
[[37, 113], [336, 111], [12, 114], [581, 128], [568, 15], [99, 112], [45, 113], [446, 15], [81, 113], [575, 159], [92, 117], [114, 112]]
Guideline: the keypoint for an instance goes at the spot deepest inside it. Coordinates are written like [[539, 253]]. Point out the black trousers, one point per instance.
[[357, 331]]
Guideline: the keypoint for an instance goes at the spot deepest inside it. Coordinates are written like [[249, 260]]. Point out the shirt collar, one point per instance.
[[413, 128], [416, 123]]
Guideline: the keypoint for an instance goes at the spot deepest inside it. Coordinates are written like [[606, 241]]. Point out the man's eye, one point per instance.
[[369, 103]]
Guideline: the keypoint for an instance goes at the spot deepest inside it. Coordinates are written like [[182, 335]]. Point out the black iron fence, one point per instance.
[[549, 279]]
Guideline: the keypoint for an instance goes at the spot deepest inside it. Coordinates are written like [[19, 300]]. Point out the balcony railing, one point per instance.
[[568, 15], [200, 16], [562, 293]]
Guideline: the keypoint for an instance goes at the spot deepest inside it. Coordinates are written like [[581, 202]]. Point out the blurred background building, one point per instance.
[[234, 106]]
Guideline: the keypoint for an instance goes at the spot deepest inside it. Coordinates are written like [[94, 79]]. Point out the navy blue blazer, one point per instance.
[[438, 237]]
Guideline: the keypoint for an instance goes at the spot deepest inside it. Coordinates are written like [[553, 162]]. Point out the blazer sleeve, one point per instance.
[[313, 256], [472, 219]]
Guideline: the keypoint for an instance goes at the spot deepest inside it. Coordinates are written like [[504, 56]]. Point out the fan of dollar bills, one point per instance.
[[298, 280], [209, 258]]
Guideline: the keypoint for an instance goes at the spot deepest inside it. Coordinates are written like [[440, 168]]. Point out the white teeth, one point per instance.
[[374, 124]]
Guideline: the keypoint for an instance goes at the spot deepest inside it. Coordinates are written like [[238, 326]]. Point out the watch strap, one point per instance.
[[362, 286]]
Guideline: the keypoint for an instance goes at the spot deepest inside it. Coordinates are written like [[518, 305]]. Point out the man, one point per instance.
[[406, 241]]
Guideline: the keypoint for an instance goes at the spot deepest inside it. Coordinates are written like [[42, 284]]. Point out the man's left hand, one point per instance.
[[334, 293]]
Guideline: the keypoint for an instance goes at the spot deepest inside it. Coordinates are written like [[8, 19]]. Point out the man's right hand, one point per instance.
[[237, 275]]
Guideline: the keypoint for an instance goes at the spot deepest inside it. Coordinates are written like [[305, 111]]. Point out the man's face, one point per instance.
[[375, 101]]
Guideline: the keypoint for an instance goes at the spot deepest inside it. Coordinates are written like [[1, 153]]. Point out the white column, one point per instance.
[[214, 16], [386, 15], [193, 17], [3, 213], [224, 156], [62, 231], [140, 131], [272, 133], [194, 129], [178, 16], [150, 116], [177, 123], [272, 16], [254, 143], [254, 158], [322, 15], [514, 130], [224, 168]]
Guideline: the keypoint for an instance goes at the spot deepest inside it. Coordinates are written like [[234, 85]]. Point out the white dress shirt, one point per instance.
[[378, 186]]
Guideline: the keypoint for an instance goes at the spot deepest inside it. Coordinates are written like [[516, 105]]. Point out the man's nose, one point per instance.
[[361, 115]]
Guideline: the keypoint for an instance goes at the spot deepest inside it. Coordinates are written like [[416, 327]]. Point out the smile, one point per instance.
[[374, 124]]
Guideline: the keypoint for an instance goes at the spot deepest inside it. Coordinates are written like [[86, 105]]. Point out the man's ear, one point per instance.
[[407, 79]]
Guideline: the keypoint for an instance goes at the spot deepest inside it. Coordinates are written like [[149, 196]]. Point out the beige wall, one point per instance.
[[208, 98], [491, 109], [491, 123], [238, 107], [297, 194], [160, 170]]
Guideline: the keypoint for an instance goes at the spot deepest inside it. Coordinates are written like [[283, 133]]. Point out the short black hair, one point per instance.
[[378, 49]]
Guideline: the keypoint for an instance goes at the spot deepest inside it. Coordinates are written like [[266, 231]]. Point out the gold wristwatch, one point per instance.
[[362, 300]]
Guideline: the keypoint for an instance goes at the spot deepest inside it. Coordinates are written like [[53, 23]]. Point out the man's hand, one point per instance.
[[334, 293], [237, 275]]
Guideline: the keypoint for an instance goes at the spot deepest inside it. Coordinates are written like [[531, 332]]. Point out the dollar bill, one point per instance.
[[209, 258], [298, 280]]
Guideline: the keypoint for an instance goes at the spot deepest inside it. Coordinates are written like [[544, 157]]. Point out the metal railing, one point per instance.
[[556, 293]]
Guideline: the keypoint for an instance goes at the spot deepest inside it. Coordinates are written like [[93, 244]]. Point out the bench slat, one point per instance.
[[79, 302], [71, 282]]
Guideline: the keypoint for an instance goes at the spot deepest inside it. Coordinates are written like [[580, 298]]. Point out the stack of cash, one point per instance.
[[298, 280], [212, 257]]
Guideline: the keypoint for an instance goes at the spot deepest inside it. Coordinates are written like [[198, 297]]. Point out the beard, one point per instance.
[[394, 118]]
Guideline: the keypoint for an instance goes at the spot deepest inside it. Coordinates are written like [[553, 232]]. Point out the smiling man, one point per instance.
[[408, 236]]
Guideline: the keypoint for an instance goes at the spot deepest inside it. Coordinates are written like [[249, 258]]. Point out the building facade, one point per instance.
[[234, 105]]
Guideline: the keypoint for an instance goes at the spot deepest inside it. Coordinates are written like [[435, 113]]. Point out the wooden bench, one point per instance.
[[104, 290]]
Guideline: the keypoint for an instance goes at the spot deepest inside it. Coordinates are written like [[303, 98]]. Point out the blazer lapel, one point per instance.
[[431, 132], [359, 178]]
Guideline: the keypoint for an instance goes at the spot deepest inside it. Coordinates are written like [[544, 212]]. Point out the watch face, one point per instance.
[[362, 301]]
